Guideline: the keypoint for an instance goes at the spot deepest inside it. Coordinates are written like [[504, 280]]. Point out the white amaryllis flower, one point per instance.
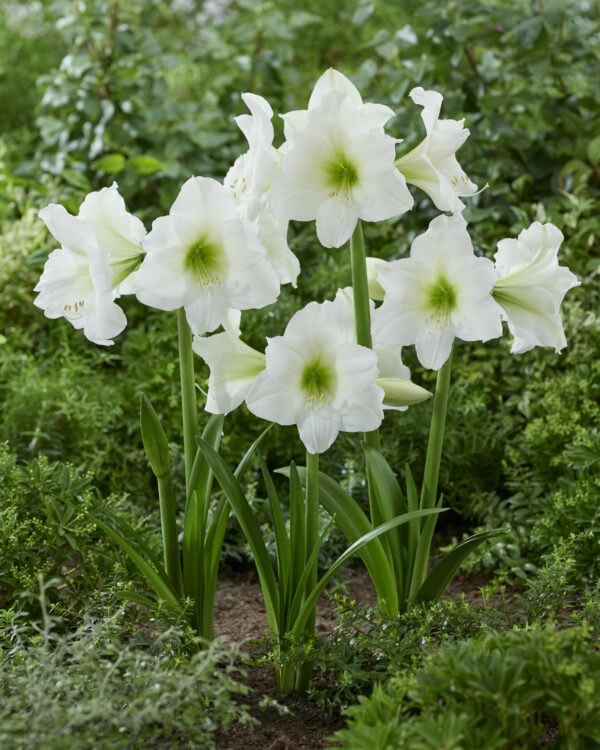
[[432, 165], [234, 366], [441, 292], [76, 281], [337, 171], [376, 114], [317, 378], [118, 231], [531, 287], [205, 258], [249, 178], [393, 373]]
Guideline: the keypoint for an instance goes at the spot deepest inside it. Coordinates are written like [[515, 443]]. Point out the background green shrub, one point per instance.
[[500, 692]]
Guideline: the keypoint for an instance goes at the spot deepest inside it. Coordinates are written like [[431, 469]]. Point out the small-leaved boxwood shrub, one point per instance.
[[503, 691]]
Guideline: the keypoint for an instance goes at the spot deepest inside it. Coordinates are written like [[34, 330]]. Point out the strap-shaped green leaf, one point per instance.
[[246, 519], [154, 439], [157, 578], [353, 523], [444, 571], [392, 503], [313, 595]]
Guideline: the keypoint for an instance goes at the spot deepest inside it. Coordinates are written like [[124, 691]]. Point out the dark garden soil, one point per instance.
[[240, 614]]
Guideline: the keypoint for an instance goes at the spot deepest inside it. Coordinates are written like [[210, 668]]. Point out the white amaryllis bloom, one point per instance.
[[234, 366], [205, 258], [392, 371], [376, 114], [317, 378], [531, 287], [432, 165], [76, 281], [249, 178], [118, 231], [337, 171], [441, 292]]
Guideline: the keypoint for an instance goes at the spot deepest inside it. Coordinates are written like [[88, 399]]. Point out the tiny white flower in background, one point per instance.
[[118, 231], [432, 165], [338, 171], [249, 178], [531, 287], [205, 258], [441, 292], [317, 378], [76, 281], [376, 114]]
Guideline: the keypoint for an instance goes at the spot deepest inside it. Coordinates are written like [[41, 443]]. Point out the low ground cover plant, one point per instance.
[[91, 688], [496, 692]]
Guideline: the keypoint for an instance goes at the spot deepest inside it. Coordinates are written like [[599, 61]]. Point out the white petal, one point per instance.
[[431, 101], [377, 114], [72, 233], [386, 197], [334, 80], [336, 220], [207, 311], [117, 230], [268, 400], [272, 232], [256, 126], [481, 322], [329, 322], [234, 367], [433, 345], [318, 429], [291, 200]]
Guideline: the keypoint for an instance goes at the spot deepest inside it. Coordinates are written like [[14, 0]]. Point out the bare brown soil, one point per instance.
[[240, 614]]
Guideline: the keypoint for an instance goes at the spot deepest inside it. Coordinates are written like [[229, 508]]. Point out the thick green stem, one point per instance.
[[312, 537], [431, 475], [188, 395], [169, 532], [362, 310], [436, 436]]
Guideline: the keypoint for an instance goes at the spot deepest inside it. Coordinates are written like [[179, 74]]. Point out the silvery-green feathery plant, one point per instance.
[[337, 366]]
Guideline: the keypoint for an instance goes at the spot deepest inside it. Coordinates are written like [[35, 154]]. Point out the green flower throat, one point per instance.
[[318, 382], [440, 300], [342, 174], [205, 261]]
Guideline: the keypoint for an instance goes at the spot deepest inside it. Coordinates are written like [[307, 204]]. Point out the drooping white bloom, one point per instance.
[[531, 287], [441, 292], [317, 378], [234, 366], [432, 165], [118, 231], [76, 281], [337, 171], [376, 114], [205, 258], [389, 358], [249, 178]]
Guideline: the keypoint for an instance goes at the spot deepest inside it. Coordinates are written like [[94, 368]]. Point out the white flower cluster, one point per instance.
[[223, 248]]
